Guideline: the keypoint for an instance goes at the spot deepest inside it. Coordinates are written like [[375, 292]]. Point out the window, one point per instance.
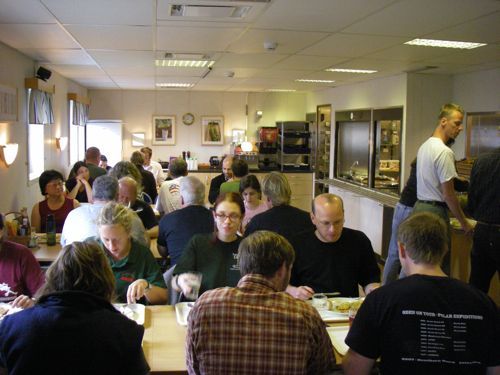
[[36, 154], [76, 137]]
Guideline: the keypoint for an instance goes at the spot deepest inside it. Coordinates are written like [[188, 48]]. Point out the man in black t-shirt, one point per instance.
[[331, 258], [425, 323]]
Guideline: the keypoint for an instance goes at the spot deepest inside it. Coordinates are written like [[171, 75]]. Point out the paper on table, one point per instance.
[[338, 335]]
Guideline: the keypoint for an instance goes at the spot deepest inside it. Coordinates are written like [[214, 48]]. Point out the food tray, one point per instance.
[[133, 311], [337, 336]]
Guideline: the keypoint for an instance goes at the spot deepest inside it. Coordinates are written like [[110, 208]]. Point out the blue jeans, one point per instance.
[[392, 265]]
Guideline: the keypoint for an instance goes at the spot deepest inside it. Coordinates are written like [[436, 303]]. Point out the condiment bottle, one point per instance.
[[50, 228]]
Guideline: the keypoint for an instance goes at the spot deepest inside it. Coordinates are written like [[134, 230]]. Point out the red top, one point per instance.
[[20, 273], [59, 214]]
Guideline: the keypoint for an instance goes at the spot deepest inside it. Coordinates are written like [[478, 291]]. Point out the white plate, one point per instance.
[[133, 311], [334, 302], [8, 309], [338, 335], [182, 310]]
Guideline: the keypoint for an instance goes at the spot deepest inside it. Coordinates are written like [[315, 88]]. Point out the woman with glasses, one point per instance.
[[214, 255], [51, 184]]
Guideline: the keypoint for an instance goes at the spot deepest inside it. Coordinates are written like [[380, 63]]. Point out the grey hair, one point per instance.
[[126, 168], [276, 187], [105, 188], [178, 168], [114, 213], [192, 191]]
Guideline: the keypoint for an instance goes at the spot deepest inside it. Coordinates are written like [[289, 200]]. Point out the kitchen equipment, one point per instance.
[[214, 161]]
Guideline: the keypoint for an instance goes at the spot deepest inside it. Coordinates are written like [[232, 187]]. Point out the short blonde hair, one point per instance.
[[448, 109], [276, 187], [114, 213]]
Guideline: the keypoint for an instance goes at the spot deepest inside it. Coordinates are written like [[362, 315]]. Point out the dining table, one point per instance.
[[165, 340]]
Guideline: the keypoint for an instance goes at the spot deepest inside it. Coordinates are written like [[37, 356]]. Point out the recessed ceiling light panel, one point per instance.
[[184, 63], [280, 90], [359, 71], [444, 43], [174, 85], [314, 80]]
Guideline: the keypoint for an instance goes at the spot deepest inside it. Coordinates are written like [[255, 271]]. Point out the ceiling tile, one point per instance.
[[195, 39], [351, 45], [123, 59], [250, 60], [78, 71], [252, 41], [486, 54], [59, 56], [484, 30], [412, 18], [317, 15], [304, 62], [114, 37], [24, 11], [128, 82], [102, 12], [409, 53], [36, 36]]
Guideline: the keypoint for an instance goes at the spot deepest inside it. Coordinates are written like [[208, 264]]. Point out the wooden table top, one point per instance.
[[164, 341], [47, 254]]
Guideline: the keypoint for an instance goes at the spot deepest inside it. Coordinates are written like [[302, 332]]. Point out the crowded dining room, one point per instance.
[[250, 187]]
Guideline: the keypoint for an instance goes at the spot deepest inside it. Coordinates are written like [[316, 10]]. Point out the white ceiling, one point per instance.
[[112, 44]]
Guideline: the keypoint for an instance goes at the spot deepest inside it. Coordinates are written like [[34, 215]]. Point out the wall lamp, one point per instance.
[[61, 143], [8, 154], [258, 115]]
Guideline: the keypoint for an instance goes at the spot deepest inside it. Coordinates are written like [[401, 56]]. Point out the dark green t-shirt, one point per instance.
[[139, 264], [216, 260]]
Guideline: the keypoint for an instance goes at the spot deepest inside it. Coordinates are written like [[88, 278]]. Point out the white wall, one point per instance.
[[16, 192], [136, 108]]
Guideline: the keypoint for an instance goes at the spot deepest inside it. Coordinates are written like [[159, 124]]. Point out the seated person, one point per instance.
[[127, 195], [137, 274], [148, 179], [169, 197], [51, 184], [215, 256], [93, 159], [104, 163], [251, 194], [81, 222], [79, 183], [178, 227], [20, 273], [332, 258], [425, 323], [218, 180], [280, 217], [240, 170], [255, 328], [74, 321]]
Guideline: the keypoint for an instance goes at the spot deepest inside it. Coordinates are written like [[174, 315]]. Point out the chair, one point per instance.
[[172, 295], [146, 198]]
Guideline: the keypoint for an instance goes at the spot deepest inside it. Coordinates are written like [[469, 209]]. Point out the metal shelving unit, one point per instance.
[[294, 145]]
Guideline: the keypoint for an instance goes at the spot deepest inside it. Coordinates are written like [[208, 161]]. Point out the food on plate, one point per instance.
[[128, 312], [344, 305]]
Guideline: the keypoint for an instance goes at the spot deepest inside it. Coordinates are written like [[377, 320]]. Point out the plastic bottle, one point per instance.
[[195, 164], [24, 227], [50, 228]]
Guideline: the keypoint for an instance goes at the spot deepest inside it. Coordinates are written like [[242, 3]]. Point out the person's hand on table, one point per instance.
[[136, 290], [300, 292], [23, 302]]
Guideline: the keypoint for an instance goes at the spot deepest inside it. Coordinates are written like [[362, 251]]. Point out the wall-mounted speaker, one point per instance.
[[43, 74]]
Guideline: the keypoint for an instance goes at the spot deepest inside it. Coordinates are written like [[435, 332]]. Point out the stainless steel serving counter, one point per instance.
[[385, 199]]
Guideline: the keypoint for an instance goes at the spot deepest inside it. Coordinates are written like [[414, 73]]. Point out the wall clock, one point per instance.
[[187, 118]]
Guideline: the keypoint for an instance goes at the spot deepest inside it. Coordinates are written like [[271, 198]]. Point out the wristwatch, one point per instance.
[[148, 287]]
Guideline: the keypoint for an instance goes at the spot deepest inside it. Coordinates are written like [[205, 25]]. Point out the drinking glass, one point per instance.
[[320, 301], [194, 281]]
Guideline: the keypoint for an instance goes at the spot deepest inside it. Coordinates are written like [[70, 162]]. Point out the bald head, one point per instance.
[[328, 217], [127, 192]]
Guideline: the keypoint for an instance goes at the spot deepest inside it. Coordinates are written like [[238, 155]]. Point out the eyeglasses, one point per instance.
[[231, 217]]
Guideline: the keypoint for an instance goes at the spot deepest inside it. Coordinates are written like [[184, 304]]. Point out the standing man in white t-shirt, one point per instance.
[[153, 166], [436, 172]]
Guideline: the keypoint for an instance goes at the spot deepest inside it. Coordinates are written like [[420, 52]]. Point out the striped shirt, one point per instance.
[[255, 329]]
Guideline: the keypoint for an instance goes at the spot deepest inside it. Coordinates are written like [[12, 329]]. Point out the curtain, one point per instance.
[[40, 108], [80, 113]]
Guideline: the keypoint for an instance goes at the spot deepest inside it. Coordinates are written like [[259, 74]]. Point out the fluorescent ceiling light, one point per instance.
[[444, 43], [174, 85], [361, 71], [280, 90], [314, 80], [184, 63], [209, 11]]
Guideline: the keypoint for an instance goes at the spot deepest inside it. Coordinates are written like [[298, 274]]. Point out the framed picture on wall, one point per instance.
[[163, 130], [8, 103], [138, 139], [212, 130]]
